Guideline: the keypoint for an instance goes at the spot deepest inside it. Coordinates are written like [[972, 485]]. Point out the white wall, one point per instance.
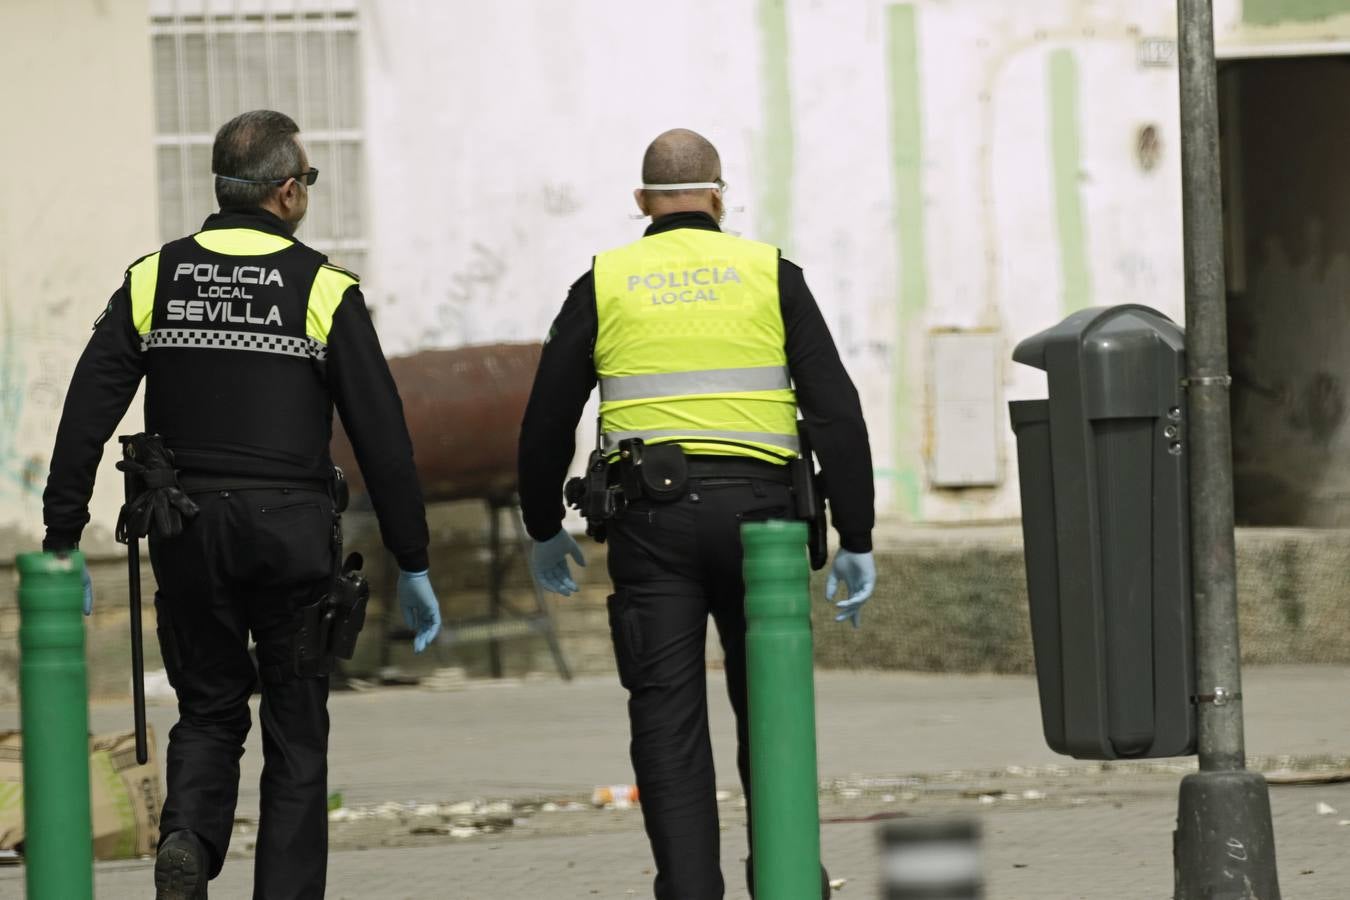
[[77, 206], [504, 141]]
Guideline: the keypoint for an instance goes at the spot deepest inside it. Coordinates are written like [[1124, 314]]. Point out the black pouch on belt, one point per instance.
[[663, 472]]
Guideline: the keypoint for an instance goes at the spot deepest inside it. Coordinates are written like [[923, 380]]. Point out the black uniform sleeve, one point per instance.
[[832, 412], [372, 413], [100, 391], [561, 387]]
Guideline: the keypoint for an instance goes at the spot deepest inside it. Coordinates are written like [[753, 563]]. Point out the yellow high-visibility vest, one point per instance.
[[690, 347]]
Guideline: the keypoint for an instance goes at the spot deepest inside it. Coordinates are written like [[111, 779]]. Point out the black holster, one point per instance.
[[808, 492], [326, 630], [348, 601], [592, 495]]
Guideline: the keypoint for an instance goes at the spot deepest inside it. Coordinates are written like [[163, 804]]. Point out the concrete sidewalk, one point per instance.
[[1053, 827]]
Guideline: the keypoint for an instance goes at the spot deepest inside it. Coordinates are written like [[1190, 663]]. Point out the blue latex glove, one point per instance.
[[859, 571], [88, 592], [421, 612], [548, 562]]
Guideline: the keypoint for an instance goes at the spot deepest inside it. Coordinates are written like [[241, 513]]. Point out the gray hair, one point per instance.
[[258, 147]]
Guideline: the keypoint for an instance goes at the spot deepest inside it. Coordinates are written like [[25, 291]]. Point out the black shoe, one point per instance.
[[181, 868], [750, 879]]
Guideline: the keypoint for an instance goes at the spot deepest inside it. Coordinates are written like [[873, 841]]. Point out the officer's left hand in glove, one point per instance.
[[62, 550], [548, 562], [161, 506], [421, 612], [88, 593], [859, 571]]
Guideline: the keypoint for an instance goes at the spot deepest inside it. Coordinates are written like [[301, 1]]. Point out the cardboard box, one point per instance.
[[125, 798]]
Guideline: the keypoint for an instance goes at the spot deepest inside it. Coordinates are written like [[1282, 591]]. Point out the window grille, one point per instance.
[[214, 59]]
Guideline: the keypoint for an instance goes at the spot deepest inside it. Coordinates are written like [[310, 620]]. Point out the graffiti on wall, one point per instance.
[[473, 288], [20, 474]]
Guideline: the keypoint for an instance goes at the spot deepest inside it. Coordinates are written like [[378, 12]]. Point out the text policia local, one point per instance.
[[684, 286]]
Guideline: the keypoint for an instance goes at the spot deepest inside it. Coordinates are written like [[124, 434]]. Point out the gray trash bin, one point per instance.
[[1105, 518]]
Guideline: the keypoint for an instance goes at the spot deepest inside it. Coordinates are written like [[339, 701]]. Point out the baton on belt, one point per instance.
[[134, 585]]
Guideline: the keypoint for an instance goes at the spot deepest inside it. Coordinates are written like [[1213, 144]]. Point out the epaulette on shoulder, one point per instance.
[[348, 272], [141, 260]]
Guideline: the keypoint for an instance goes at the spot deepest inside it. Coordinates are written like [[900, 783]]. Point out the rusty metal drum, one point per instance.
[[463, 408]]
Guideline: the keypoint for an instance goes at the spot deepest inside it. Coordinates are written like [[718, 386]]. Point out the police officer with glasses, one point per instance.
[[246, 339]]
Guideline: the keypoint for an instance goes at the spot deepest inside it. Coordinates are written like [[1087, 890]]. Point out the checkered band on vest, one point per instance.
[[207, 339]]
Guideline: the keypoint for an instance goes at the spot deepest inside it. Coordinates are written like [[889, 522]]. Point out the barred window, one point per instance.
[[295, 56]]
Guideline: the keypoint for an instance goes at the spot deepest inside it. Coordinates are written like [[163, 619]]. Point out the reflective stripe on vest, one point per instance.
[[709, 441], [686, 384], [213, 339], [690, 342]]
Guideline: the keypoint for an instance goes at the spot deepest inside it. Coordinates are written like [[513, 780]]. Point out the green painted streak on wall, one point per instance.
[[902, 48], [1066, 159], [776, 148], [1276, 12]]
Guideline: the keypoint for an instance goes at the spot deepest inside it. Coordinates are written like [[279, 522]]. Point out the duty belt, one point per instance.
[[210, 484], [727, 467], [730, 467]]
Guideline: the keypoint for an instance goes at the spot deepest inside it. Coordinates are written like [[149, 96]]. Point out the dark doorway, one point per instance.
[[1285, 137]]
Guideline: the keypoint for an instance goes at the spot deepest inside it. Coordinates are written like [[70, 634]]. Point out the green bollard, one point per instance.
[[54, 708], [784, 805]]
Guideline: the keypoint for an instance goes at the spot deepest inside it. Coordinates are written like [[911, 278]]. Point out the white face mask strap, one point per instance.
[[688, 186]]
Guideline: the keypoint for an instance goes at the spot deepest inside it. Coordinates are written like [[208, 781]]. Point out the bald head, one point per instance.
[[680, 156]]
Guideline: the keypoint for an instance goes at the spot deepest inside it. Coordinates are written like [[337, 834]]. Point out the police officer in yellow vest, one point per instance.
[[704, 346], [246, 339]]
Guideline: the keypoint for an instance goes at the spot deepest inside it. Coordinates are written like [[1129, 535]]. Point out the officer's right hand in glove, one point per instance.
[[421, 612], [859, 571], [548, 562]]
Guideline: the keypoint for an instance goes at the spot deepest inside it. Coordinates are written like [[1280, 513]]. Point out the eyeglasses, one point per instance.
[[721, 185], [309, 176]]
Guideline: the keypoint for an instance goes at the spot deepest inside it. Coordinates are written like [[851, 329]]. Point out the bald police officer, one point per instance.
[[704, 346]]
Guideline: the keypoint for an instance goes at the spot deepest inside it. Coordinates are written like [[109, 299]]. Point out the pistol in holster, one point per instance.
[[808, 492], [594, 497], [326, 630]]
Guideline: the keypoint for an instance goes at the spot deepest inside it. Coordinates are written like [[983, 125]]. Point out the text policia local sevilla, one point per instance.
[[223, 284], [685, 285]]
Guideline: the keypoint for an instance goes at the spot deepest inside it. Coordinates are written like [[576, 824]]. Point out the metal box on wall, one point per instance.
[[1105, 518]]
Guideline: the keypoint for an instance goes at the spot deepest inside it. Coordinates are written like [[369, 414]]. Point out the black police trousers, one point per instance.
[[243, 567], [672, 565]]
